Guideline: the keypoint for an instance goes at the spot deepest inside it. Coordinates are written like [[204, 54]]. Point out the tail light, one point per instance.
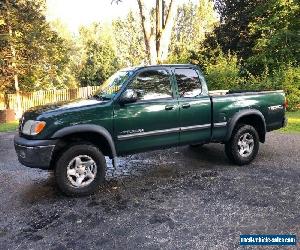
[[285, 104]]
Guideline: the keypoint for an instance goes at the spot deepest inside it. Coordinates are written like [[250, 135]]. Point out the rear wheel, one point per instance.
[[80, 170], [243, 145]]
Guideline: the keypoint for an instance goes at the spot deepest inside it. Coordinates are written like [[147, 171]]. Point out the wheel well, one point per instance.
[[95, 138], [256, 122]]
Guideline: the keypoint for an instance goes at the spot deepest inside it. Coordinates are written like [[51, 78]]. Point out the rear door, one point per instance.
[[194, 106], [152, 121]]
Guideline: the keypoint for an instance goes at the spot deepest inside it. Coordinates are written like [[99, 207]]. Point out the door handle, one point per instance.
[[169, 107], [186, 105]]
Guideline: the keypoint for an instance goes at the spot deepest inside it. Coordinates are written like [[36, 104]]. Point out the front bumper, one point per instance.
[[34, 153]]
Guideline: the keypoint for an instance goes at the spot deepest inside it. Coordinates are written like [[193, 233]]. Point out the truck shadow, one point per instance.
[[207, 156], [170, 163]]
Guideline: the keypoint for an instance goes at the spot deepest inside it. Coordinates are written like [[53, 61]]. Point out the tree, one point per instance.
[[33, 56], [275, 58], [129, 40], [99, 54], [194, 22], [74, 51], [276, 24], [10, 51], [233, 32], [157, 26]]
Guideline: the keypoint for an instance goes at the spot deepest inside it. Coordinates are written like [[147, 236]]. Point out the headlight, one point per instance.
[[32, 127]]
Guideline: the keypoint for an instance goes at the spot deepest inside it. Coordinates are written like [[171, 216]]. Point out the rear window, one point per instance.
[[188, 83]]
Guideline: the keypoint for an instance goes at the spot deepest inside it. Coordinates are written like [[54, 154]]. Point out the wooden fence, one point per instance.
[[28, 100], [2, 102]]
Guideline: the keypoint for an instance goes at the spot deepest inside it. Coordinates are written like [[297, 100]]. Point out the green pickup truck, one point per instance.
[[140, 109]]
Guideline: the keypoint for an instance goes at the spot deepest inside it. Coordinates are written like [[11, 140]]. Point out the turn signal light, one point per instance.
[[39, 127]]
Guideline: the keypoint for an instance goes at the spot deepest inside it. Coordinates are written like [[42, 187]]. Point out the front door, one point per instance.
[[194, 105], [152, 121]]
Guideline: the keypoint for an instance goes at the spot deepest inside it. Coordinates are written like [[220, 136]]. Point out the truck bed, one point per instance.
[[226, 104], [229, 91]]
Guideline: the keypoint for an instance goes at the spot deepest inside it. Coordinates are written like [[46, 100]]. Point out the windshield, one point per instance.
[[112, 85]]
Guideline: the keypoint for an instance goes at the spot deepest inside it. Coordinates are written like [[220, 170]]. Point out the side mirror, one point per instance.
[[129, 96]]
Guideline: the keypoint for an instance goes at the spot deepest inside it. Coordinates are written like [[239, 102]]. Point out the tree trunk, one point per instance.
[[14, 64], [152, 51], [166, 32], [6, 101], [148, 31], [157, 43], [159, 22]]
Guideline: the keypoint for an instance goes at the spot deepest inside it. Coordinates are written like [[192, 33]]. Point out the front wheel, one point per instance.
[[243, 145], [80, 170]]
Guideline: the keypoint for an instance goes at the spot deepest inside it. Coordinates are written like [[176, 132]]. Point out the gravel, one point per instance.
[[180, 198]]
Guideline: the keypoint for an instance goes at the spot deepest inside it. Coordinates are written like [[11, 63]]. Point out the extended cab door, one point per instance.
[[151, 121], [194, 106]]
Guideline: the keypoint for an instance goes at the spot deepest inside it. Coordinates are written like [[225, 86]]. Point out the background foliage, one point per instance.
[[42, 57], [238, 44]]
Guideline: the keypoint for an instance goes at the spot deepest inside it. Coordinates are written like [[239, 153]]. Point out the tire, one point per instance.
[[243, 145], [80, 170]]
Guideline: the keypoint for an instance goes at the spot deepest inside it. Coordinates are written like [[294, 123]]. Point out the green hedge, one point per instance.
[[225, 73]]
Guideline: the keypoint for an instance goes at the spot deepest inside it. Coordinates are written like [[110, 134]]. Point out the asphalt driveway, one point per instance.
[[181, 198]]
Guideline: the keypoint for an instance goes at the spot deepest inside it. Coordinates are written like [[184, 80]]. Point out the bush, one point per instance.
[[286, 78], [223, 73], [291, 86], [226, 75]]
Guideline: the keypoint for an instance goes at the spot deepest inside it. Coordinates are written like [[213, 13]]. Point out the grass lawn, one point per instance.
[[8, 127], [293, 124]]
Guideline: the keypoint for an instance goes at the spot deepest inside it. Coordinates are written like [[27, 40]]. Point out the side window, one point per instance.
[[188, 82], [152, 84]]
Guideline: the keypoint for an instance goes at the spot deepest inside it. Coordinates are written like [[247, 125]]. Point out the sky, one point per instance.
[[75, 13]]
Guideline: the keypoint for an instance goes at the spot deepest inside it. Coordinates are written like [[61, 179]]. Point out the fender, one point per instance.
[[89, 128], [237, 116]]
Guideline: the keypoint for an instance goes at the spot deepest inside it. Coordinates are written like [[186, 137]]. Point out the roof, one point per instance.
[[159, 65]]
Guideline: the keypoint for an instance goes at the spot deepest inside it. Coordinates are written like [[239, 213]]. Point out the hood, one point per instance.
[[61, 106]]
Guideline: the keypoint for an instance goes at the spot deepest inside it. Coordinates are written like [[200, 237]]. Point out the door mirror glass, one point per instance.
[[129, 96]]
